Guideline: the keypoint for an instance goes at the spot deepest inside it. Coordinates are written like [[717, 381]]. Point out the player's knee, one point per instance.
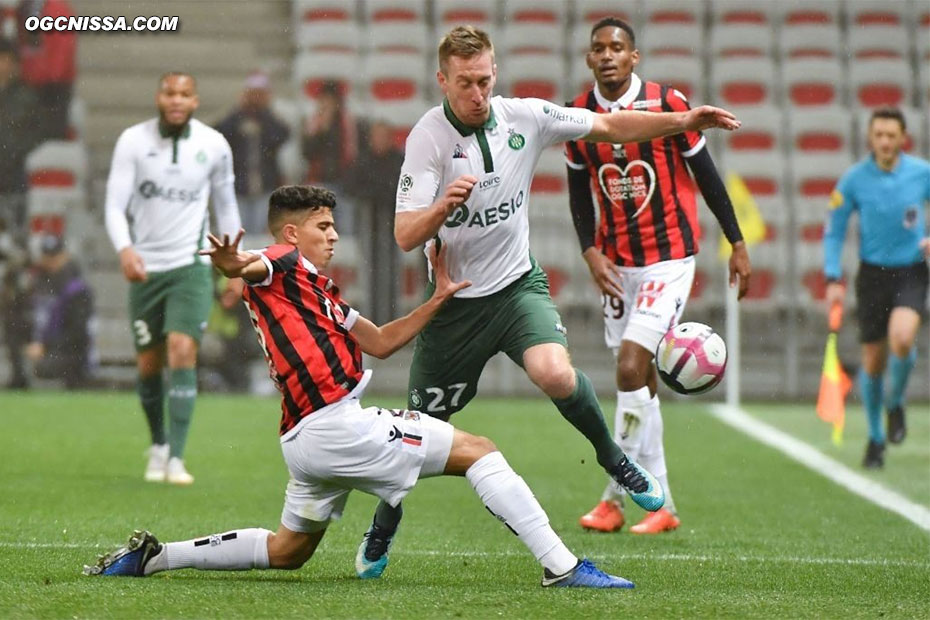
[[557, 381], [631, 375], [289, 557], [478, 446]]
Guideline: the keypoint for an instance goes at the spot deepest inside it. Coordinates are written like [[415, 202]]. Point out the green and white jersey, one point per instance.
[[488, 238], [158, 190]]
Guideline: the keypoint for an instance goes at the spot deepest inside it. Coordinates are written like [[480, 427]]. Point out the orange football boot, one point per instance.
[[657, 522], [607, 516]]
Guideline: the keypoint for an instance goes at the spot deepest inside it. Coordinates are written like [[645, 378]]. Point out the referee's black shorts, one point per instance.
[[881, 289]]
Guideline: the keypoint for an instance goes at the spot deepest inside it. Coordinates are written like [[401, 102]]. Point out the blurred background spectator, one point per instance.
[[48, 64], [330, 146], [378, 165], [14, 306], [18, 136], [63, 315], [255, 136]]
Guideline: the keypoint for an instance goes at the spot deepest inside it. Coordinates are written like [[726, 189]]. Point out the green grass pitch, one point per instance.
[[761, 536]]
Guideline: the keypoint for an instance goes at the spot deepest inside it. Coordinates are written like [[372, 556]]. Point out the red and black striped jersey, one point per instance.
[[646, 197], [303, 327]]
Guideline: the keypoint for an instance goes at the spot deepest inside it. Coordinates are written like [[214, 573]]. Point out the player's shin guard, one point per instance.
[[583, 411], [182, 393], [652, 450], [899, 369], [236, 550], [508, 498], [870, 388], [152, 396]]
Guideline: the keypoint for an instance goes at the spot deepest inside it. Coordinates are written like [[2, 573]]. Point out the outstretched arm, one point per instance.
[[382, 341], [232, 263], [636, 126]]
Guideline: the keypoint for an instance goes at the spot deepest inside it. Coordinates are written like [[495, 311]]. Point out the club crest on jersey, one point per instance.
[[201, 157], [619, 151], [648, 293], [911, 217], [415, 399], [515, 141], [618, 184], [459, 152]]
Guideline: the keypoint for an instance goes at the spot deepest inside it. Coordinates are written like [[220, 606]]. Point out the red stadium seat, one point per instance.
[[329, 36], [813, 81], [550, 177], [534, 12], [57, 164], [740, 40], [683, 73], [809, 12], [673, 12], [387, 11], [826, 129], [761, 130], [879, 41], [866, 13], [535, 75], [881, 82], [531, 38], [743, 81], [811, 41], [815, 175], [395, 76], [588, 12], [312, 70], [401, 115], [451, 13], [330, 11], [671, 40], [399, 36], [758, 12]]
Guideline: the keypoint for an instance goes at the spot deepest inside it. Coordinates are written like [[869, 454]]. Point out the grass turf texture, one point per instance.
[[761, 536]]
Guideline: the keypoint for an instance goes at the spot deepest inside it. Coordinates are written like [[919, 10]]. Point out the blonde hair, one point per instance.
[[464, 42]]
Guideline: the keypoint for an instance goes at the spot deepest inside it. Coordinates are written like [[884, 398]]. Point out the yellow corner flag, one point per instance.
[[750, 219], [834, 382]]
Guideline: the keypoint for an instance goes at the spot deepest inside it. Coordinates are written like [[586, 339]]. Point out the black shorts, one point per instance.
[[881, 289]]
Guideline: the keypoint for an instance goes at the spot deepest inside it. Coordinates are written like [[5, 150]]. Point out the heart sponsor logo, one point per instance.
[[618, 184]]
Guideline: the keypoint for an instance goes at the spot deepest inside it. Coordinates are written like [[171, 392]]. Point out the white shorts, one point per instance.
[[654, 298], [343, 447]]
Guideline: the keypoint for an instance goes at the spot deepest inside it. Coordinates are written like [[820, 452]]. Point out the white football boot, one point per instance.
[[177, 474], [158, 463]]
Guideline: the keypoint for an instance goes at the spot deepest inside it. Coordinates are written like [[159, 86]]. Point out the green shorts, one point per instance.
[[451, 351], [178, 300]]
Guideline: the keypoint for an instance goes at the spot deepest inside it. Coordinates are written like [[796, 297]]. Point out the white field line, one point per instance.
[[639, 557], [827, 467]]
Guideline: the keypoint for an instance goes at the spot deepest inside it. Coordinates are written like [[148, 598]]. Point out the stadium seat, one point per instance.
[[757, 12], [810, 40], [312, 70], [534, 75], [813, 82], [587, 12], [57, 164], [761, 130], [795, 13], [451, 13], [880, 82], [329, 36], [743, 81], [671, 40], [683, 73], [401, 115], [673, 12], [878, 41], [765, 178], [531, 38], [739, 40], [331, 11], [550, 175], [815, 175], [534, 12], [825, 130], [399, 36], [386, 11], [395, 76], [866, 13]]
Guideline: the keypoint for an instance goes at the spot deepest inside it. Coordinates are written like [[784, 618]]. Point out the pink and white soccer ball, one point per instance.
[[691, 358]]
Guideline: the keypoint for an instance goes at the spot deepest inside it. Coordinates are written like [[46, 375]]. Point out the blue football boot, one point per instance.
[[128, 561], [584, 575], [642, 486], [372, 556]]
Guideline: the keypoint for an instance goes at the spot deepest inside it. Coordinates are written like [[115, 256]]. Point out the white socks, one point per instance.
[[508, 498], [236, 550], [638, 430]]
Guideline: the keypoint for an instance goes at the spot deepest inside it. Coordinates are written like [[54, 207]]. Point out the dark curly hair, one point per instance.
[[290, 199], [616, 22]]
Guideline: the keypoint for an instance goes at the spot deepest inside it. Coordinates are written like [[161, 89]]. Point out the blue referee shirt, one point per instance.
[[891, 213]]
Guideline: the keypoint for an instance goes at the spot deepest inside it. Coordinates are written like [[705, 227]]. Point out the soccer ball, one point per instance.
[[691, 358]]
